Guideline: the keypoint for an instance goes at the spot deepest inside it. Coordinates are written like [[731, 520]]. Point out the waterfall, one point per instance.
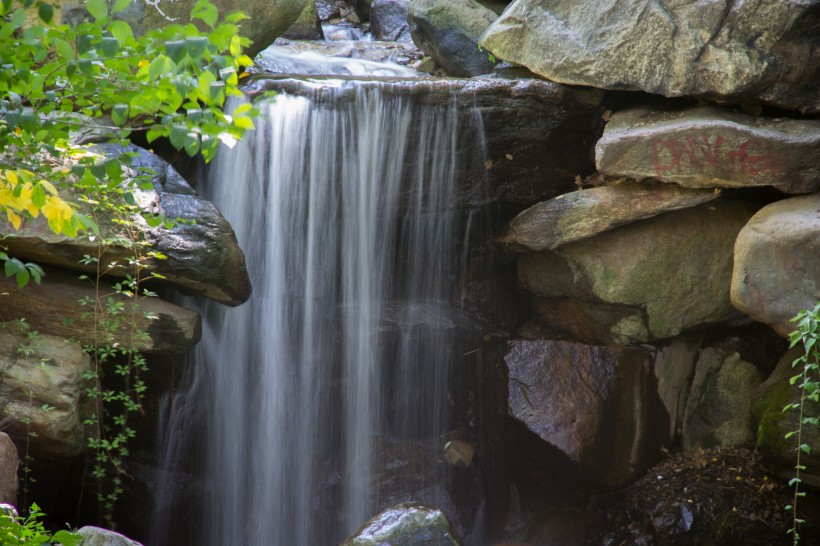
[[343, 201]]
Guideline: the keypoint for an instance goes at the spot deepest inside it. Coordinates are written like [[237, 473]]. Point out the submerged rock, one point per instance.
[[581, 214], [203, 256], [408, 524], [645, 281], [777, 262], [448, 31], [707, 147], [596, 404], [743, 51], [41, 391]]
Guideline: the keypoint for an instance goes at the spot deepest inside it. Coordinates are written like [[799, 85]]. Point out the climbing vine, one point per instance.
[[807, 380]]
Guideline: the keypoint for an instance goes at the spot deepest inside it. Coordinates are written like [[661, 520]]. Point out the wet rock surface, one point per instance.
[[9, 461], [96, 536], [777, 257], [709, 147], [408, 524], [388, 20], [539, 135], [596, 404], [647, 280], [755, 51]]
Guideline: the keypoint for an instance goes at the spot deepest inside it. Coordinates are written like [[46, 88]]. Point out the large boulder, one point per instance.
[[55, 307], [388, 20], [774, 423], [744, 51], [407, 524], [674, 368], [41, 392], [777, 262], [203, 256], [448, 31], [644, 281], [538, 135], [718, 410], [267, 19], [307, 26], [9, 461], [708, 147], [581, 214], [597, 404]]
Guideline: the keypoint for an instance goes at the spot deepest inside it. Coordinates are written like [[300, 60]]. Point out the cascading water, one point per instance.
[[343, 201]]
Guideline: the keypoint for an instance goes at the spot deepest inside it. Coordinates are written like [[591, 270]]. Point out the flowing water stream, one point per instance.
[[343, 201]]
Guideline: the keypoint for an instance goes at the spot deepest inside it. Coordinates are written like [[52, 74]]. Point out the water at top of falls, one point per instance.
[[348, 59], [341, 356]]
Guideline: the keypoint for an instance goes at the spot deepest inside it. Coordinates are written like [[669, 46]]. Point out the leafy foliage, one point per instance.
[[807, 334], [57, 80], [17, 531]]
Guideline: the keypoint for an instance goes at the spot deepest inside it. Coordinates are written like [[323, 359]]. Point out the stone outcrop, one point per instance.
[[755, 51], [41, 391], [581, 214], [718, 410], [709, 147], [203, 256], [55, 307], [388, 20], [777, 260], [407, 524], [307, 25], [9, 461], [96, 536], [648, 280], [674, 368], [539, 135], [448, 31], [596, 404]]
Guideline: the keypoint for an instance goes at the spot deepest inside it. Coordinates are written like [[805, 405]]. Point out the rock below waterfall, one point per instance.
[[744, 51], [648, 280], [596, 404], [407, 524], [54, 307], [581, 214], [708, 147], [95, 536], [9, 461], [448, 31], [203, 256], [777, 262], [41, 390]]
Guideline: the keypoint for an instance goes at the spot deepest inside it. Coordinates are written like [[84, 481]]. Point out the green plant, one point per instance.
[[807, 333], [29, 531]]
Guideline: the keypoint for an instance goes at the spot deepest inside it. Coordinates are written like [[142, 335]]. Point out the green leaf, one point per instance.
[[97, 8], [22, 277], [109, 46], [119, 114], [46, 12], [196, 46], [121, 31], [205, 11], [177, 136], [191, 143], [120, 5], [176, 50]]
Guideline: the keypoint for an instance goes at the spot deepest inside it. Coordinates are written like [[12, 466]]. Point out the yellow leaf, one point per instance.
[[11, 176], [15, 219]]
